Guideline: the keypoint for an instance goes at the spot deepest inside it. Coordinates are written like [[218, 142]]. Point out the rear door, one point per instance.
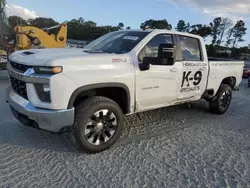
[[195, 68]]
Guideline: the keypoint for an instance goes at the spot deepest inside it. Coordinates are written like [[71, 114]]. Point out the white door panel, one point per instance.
[[194, 78], [158, 86]]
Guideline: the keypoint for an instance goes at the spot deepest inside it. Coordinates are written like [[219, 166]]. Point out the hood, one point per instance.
[[39, 57]]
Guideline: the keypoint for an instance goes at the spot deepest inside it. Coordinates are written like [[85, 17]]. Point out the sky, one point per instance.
[[133, 12]]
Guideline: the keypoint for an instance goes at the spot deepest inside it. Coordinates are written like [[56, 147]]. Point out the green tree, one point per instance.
[[226, 23], [88, 30], [229, 37], [128, 27], [80, 21], [121, 25], [156, 24], [238, 31], [215, 28], [41, 22], [182, 26], [202, 30], [90, 24], [16, 20]]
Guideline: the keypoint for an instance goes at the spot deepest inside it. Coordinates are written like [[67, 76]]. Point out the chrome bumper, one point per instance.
[[49, 120]]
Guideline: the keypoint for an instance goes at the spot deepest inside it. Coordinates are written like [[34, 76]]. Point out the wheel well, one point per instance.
[[231, 81], [117, 94]]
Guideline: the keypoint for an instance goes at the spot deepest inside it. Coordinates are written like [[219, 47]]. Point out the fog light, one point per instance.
[[43, 92], [46, 88]]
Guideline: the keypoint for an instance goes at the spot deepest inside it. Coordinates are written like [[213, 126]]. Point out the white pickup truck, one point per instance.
[[87, 91]]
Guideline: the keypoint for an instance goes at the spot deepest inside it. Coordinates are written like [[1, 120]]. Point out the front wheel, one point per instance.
[[222, 100], [98, 124]]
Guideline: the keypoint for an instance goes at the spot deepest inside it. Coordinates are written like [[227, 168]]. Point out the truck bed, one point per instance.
[[223, 69], [220, 59]]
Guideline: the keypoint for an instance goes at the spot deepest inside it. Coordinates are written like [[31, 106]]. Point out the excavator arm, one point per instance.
[[32, 37]]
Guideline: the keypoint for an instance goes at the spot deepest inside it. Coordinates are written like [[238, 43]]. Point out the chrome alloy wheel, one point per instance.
[[100, 127]]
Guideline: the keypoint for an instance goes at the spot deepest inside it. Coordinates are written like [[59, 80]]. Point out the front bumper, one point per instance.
[[50, 120]]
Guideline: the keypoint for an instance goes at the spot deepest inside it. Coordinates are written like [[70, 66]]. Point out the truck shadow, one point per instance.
[[137, 127]]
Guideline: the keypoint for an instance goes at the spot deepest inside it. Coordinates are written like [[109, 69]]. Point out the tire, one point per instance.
[[91, 136], [220, 104]]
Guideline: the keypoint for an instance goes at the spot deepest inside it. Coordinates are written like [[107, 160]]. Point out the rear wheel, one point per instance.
[[222, 100], [98, 124]]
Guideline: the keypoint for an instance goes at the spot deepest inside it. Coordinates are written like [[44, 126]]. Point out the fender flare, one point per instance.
[[98, 86]]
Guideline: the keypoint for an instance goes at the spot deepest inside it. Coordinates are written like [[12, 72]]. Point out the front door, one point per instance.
[[159, 85]]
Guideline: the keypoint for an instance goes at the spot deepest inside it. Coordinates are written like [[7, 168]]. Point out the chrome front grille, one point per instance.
[[20, 67]]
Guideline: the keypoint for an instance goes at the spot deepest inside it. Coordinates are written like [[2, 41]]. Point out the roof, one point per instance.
[[156, 31]]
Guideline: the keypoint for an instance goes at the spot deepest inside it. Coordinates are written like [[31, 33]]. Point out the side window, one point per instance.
[[151, 48], [190, 49]]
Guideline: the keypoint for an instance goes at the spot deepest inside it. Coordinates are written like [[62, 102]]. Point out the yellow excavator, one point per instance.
[[28, 37]]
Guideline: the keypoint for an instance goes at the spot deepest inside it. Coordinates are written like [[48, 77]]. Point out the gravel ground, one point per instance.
[[170, 147]]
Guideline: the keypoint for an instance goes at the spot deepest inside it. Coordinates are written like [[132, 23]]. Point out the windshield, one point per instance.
[[118, 42]]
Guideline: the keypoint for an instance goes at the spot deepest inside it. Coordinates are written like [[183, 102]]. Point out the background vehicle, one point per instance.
[[246, 70], [87, 91]]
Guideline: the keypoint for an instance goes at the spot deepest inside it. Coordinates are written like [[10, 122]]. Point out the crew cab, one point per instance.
[[87, 92]]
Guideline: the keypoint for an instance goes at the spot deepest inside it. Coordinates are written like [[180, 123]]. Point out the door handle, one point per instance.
[[173, 70], [202, 69]]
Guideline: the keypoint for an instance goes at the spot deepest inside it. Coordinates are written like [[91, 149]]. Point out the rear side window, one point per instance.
[[190, 49]]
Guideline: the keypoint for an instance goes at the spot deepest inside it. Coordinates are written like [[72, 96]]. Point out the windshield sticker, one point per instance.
[[131, 38], [118, 60]]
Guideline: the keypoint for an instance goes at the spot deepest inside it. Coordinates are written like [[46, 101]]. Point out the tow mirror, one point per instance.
[[166, 51], [166, 54]]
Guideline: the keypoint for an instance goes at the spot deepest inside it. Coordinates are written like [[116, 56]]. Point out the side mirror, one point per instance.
[[144, 66]]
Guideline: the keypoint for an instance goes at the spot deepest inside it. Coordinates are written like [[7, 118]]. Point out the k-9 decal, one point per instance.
[[189, 82]]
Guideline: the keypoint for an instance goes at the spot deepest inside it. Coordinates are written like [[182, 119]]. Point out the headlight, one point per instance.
[[48, 70]]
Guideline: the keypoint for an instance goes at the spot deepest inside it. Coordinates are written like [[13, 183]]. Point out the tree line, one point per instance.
[[78, 29], [222, 31]]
